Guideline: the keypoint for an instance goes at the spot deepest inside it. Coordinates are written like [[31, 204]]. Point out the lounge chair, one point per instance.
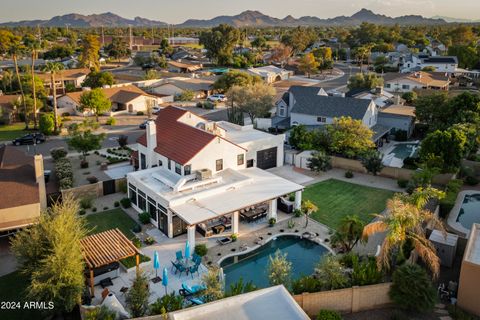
[[188, 291], [224, 241], [196, 301]]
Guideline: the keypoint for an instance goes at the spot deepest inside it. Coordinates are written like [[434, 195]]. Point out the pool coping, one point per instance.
[[391, 147], [265, 241], [453, 215]]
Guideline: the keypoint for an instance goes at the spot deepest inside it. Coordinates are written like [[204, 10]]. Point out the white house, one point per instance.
[[417, 62], [65, 78], [126, 99], [395, 82], [311, 106], [270, 74], [197, 175]]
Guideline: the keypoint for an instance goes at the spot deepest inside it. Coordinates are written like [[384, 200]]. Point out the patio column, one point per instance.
[[272, 209], [91, 283], [235, 223], [191, 235], [298, 199], [170, 224]]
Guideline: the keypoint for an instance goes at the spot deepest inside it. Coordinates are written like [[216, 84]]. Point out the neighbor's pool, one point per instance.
[[469, 211], [252, 266], [404, 150]]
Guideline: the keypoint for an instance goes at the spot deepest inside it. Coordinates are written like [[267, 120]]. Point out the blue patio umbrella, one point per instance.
[[156, 263], [187, 250], [165, 279]]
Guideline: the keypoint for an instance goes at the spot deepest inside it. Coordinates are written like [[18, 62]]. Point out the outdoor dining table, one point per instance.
[[187, 263]]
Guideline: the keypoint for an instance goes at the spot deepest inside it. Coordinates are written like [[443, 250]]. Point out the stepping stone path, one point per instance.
[[440, 309]]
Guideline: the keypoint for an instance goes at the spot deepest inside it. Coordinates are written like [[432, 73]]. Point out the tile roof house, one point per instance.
[[7, 107], [177, 85], [22, 188], [64, 78], [189, 164], [397, 82], [125, 99], [270, 74], [182, 67]]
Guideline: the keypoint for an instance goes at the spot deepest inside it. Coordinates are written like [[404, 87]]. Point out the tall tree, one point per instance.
[[349, 233], [255, 100], [219, 43], [95, 101], [234, 78], [82, 139], [49, 253], [33, 44], [308, 64], [90, 56], [53, 68], [16, 47], [279, 269], [404, 223], [350, 137]]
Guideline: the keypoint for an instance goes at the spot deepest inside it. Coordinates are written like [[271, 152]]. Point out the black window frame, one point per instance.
[[187, 170], [240, 159], [218, 164], [178, 168]]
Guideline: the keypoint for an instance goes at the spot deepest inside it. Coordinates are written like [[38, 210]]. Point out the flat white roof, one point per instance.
[[473, 247], [270, 303], [259, 186], [438, 237], [242, 134]]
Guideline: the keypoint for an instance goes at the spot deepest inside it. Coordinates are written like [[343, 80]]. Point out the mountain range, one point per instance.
[[247, 18]]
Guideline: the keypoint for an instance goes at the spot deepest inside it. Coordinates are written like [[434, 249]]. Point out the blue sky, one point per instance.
[[179, 10]]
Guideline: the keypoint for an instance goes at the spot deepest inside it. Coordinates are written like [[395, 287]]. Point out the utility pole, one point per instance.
[[153, 36]]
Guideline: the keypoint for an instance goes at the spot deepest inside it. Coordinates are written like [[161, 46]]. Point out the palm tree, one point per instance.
[[33, 45], [308, 207], [15, 48], [7, 81], [348, 233], [53, 68], [404, 223]]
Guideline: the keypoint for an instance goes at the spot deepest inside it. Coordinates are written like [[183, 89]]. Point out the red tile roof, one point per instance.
[[176, 140]]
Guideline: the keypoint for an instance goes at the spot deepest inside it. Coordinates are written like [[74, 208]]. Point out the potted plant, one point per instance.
[[272, 221], [234, 237]]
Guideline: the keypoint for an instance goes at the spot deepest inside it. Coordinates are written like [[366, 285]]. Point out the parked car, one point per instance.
[[217, 98], [143, 125], [155, 110], [30, 138]]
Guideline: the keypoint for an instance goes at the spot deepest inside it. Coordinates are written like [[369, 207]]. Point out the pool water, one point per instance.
[[252, 266], [470, 211], [404, 150]]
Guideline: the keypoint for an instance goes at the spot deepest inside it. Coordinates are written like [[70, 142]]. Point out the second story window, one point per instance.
[[169, 164], [321, 119], [240, 159], [219, 165], [178, 168], [187, 170]]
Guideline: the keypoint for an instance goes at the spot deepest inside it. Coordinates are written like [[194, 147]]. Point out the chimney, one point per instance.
[[151, 133], [379, 90], [40, 178]]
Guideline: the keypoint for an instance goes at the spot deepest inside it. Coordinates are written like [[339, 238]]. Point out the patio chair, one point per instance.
[[179, 255], [186, 290], [180, 268], [196, 258], [196, 301], [193, 269]]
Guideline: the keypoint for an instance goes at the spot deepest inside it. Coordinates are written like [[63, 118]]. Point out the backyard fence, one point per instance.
[[348, 300], [97, 189], [301, 161]]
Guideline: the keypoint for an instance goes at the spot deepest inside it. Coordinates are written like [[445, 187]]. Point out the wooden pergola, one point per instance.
[[107, 247]]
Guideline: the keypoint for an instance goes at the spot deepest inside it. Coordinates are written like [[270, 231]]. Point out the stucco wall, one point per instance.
[[18, 216], [345, 300]]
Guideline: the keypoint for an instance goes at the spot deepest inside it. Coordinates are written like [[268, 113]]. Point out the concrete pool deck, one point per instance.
[[455, 212], [389, 158]]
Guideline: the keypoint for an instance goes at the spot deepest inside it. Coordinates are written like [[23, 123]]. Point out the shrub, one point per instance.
[[410, 163], [201, 249], [46, 124], [349, 174], [328, 315], [105, 208], [373, 163], [126, 202], [412, 288], [83, 164], [471, 180], [401, 135], [122, 140], [92, 179], [58, 153], [234, 237], [272, 221], [136, 242], [167, 303], [111, 121], [140, 113], [402, 183], [149, 240], [144, 217], [137, 228], [86, 203], [298, 213], [320, 161], [116, 204], [94, 209], [452, 190], [306, 284]]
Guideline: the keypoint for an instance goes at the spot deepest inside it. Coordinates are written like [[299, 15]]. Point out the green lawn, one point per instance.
[[336, 199], [12, 131], [111, 219]]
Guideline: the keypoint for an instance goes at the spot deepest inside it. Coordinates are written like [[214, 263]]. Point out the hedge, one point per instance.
[[452, 190]]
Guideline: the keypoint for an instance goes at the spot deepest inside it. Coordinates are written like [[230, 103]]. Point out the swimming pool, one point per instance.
[[404, 150], [470, 210], [465, 212], [252, 266]]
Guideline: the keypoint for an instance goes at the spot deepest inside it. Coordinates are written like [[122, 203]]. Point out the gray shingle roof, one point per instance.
[[307, 101]]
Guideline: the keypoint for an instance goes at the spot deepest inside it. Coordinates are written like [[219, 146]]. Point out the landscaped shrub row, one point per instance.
[[452, 190], [58, 153], [64, 172]]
